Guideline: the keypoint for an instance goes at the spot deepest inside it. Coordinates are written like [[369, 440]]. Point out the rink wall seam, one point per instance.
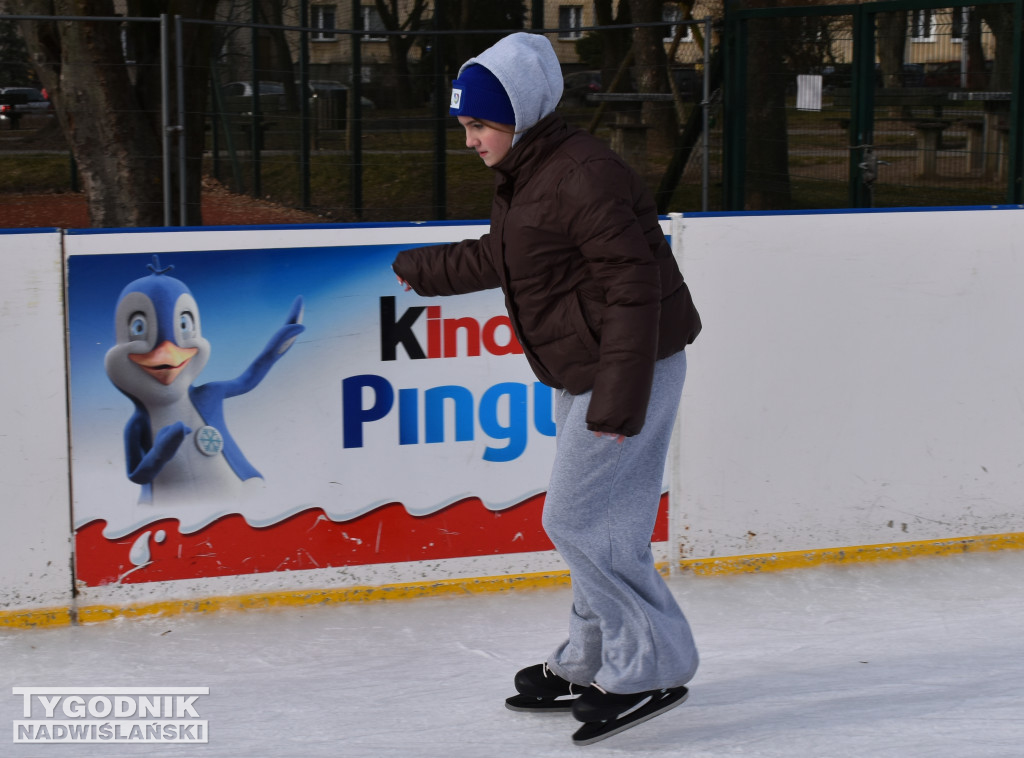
[[719, 566]]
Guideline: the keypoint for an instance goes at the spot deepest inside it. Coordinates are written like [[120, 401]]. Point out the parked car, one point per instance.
[[325, 88], [577, 85], [244, 89], [948, 74], [16, 102], [912, 75], [238, 95], [942, 74], [841, 75]]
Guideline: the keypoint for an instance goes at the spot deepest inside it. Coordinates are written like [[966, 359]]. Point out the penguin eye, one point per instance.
[[187, 323], [137, 326]]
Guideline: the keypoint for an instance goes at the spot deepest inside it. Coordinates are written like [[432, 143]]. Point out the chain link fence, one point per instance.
[[879, 104], [321, 117]]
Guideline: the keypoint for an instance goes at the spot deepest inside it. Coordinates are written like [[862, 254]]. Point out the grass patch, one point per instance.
[[35, 173], [396, 185]]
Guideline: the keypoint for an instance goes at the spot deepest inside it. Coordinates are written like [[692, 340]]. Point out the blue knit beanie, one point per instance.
[[477, 93]]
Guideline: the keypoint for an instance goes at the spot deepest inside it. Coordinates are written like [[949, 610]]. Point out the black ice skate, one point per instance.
[[606, 713], [541, 690]]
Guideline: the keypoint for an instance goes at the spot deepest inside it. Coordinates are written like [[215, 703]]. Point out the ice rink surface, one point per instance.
[[910, 659]]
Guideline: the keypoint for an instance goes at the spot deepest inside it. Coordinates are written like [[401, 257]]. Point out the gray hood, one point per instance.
[[528, 69]]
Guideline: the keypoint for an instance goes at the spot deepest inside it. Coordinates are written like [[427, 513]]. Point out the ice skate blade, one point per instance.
[[595, 731], [528, 704]]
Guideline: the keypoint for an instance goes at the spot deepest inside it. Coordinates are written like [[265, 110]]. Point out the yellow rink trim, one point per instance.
[[26, 619], [402, 591], [727, 565], [893, 551]]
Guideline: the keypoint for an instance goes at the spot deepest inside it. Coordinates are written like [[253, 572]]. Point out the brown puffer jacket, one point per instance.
[[591, 287]]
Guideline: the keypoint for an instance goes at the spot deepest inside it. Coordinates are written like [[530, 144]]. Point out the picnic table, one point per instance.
[[988, 137], [921, 108], [629, 133]]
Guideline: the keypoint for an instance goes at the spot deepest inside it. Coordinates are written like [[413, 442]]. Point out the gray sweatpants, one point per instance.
[[626, 631]]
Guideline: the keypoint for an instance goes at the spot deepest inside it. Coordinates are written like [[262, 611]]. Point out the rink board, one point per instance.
[[858, 380], [853, 396], [35, 545]]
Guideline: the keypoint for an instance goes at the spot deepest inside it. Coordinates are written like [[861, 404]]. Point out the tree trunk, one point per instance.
[[113, 144], [652, 73], [1000, 20], [693, 128], [767, 181], [891, 41], [615, 43], [399, 46], [112, 119], [278, 66]]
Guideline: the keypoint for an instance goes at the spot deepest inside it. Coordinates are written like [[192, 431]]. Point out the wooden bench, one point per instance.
[[904, 98]]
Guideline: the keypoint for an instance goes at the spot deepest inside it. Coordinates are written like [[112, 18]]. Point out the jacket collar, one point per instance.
[[534, 147]]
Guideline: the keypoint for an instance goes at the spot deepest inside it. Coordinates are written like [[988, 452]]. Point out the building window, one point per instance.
[[323, 21], [372, 22], [570, 20], [672, 14], [960, 19], [922, 26]]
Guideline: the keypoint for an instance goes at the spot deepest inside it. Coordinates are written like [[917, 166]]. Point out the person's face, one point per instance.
[[490, 140]]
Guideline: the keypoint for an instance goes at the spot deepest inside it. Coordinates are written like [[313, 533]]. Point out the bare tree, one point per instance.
[[109, 113], [892, 42], [276, 61], [651, 71], [615, 44], [470, 15], [999, 19], [767, 181], [399, 45]]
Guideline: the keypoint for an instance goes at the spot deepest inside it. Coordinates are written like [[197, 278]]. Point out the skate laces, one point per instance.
[[547, 672]]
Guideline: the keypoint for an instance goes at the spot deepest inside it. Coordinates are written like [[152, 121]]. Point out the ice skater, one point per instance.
[[603, 314]]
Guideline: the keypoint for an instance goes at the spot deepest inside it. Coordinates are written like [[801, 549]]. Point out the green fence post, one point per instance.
[[1015, 190], [862, 90], [734, 114]]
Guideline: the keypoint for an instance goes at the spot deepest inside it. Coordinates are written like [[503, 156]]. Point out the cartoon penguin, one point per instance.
[[177, 444]]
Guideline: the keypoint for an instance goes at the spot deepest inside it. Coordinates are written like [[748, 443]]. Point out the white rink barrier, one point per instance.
[[327, 436], [858, 381], [35, 541]]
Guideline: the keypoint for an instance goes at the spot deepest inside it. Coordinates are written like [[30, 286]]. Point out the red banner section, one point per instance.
[[310, 540]]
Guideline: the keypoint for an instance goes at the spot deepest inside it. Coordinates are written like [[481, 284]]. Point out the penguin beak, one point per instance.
[[165, 362]]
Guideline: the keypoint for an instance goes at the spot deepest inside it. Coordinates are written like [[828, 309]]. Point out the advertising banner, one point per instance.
[[245, 403]]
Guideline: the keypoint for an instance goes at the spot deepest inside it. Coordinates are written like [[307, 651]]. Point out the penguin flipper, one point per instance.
[[151, 462], [278, 345]]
